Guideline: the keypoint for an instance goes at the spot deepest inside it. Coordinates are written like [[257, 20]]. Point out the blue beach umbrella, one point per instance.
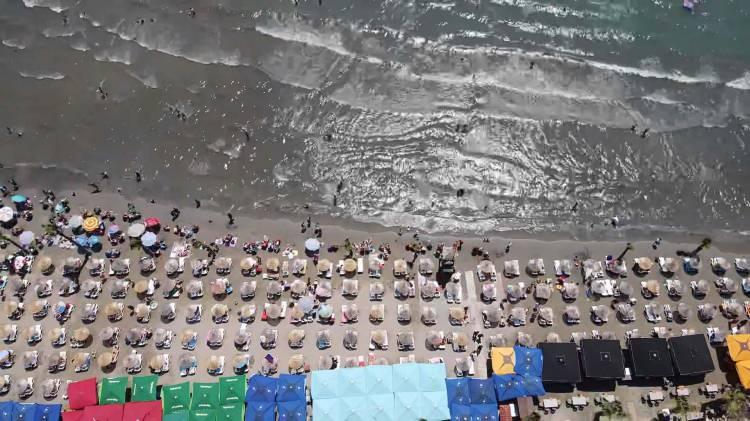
[[48, 412], [528, 361], [461, 413], [18, 199], [148, 239], [261, 389], [533, 386], [458, 391], [260, 411], [82, 241], [508, 387], [482, 391], [486, 412], [291, 387], [292, 411]]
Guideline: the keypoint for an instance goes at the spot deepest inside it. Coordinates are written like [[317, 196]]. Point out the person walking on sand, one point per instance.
[[197, 203], [507, 246], [95, 187], [138, 177], [175, 214], [231, 218]]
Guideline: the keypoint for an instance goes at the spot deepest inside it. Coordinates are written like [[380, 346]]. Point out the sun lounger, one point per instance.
[[360, 265]]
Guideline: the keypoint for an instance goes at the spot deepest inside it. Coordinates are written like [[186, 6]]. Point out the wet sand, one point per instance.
[[289, 233]]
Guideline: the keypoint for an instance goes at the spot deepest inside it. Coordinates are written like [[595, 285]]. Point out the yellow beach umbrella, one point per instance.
[[503, 360], [739, 347], [743, 372], [91, 224]]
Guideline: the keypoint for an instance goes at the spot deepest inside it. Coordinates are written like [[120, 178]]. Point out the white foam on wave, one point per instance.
[[113, 56], [14, 43], [42, 76], [742, 83], [148, 81], [54, 6]]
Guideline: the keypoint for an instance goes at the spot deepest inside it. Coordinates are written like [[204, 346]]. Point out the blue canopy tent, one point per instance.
[[528, 361], [482, 391], [48, 412], [261, 389], [292, 410], [378, 379], [406, 405], [533, 386], [381, 405], [461, 412], [508, 386], [434, 406], [354, 408], [260, 411], [6, 411], [458, 391], [24, 411], [291, 387], [405, 377], [352, 382], [324, 384], [326, 409], [484, 412], [432, 377]]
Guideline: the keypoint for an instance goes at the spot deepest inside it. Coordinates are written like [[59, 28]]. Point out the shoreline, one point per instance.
[[69, 181]]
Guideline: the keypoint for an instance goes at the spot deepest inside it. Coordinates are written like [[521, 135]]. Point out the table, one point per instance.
[[712, 388], [683, 391], [580, 401], [656, 395], [609, 398], [550, 403]]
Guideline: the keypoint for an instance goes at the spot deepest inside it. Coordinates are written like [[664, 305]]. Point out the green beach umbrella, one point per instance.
[[232, 389], [205, 396], [112, 390], [176, 416], [176, 397], [144, 388], [202, 415], [231, 412]]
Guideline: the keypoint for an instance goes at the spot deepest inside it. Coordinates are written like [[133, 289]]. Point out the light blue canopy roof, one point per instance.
[[378, 379], [352, 382], [325, 384]]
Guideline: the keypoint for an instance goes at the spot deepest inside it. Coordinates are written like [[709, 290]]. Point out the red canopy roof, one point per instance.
[[142, 411], [82, 394], [152, 222], [72, 415], [103, 413]]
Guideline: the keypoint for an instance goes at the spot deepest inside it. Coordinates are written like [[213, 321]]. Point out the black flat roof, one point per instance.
[[602, 359], [560, 362], [691, 355], [651, 357]]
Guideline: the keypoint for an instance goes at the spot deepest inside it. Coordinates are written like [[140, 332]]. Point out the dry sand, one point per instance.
[[289, 233]]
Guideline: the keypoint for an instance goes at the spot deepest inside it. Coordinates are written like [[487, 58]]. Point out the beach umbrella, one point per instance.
[[296, 362], [546, 313], [402, 287], [350, 266], [168, 312], [133, 361], [142, 311], [219, 310], [405, 338], [312, 245], [495, 315], [377, 312], [460, 339], [81, 240], [298, 287], [601, 312], [625, 311], [248, 263], [134, 335], [404, 312], [296, 314], [553, 337], [570, 291], [107, 334], [152, 222], [141, 287], [625, 288], [514, 291], [676, 288], [26, 238], [428, 314], [399, 267], [273, 311], [644, 263], [18, 199], [457, 313], [378, 337], [49, 389], [223, 263], [485, 267], [351, 312], [272, 265], [113, 229], [22, 384], [274, 288], [247, 311], [156, 363], [296, 335], [216, 335], [351, 338], [518, 314], [11, 307], [171, 266], [524, 339], [377, 288], [701, 288], [90, 224], [242, 337], [105, 359], [81, 334], [325, 311], [75, 221], [572, 313], [434, 338], [219, 287], [136, 230], [683, 310], [6, 214], [324, 265], [425, 265], [113, 310], [542, 291], [241, 362], [733, 309], [306, 304], [706, 312], [148, 239], [94, 241], [720, 265], [45, 264], [730, 285]]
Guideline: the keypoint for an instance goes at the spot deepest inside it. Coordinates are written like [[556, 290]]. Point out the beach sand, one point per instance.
[[252, 229]]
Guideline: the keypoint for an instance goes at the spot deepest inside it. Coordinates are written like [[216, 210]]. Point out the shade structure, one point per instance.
[[103, 412], [144, 388], [503, 360], [148, 239], [326, 409], [432, 377], [350, 265], [261, 389], [482, 391], [136, 230], [176, 397], [21, 411], [291, 387], [232, 389], [142, 411], [380, 406], [475, 412], [292, 411], [528, 361], [406, 405], [405, 378], [434, 406], [650, 357], [378, 379], [560, 362], [602, 359], [533, 386], [48, 412], [201, 415], [691, 354], [205, 396], [743, 372], [351, 382], [82, 393], [177, 416], [26, 238], [325, 384], [353, 408], [6, 214], [312, 245], [458, 391], [739, 347], [508, 387], [112, 390], [90, 224], [230, 412]]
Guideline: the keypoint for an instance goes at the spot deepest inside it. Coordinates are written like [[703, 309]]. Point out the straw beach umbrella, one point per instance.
[[108, 334], [498, 340], [524, 339], [275, 288], [296, 336], [683, 311], [45, 265], [428, 314], [81, 334], [570, 291], [351, 337], [274, 311], [247, 312], [377, 312], [351, 312], [378, 337], [106, 360], [625, 288], [434, 339], [543, 292], [272, 265], [461, 340], [298, 287], [296, 363], [457, 313], [553, 337], [141, 287], [350, 266]]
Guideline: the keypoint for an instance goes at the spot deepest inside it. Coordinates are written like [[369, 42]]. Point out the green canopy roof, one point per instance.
[[112, 390], [144, 388], [205, 396], [232, 389], [202, 415], [231, 412], [176, 416], [176, 397]]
